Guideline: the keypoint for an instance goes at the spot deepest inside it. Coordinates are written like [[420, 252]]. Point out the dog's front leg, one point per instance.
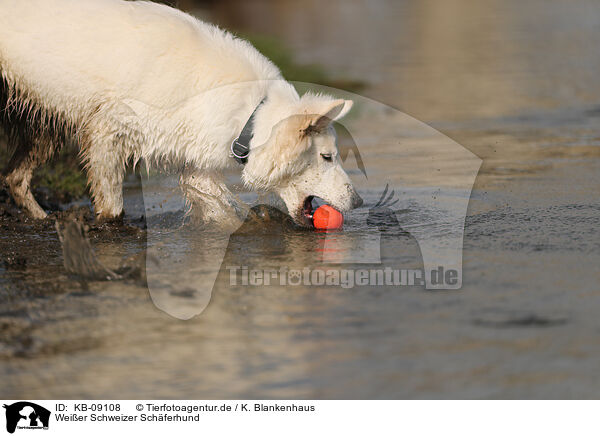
[[209, 199]]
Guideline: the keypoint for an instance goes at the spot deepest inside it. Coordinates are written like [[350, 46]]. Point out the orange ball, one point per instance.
[[327, 218]]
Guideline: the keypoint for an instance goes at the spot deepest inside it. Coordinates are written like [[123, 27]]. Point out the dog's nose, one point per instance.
[[357, 201]]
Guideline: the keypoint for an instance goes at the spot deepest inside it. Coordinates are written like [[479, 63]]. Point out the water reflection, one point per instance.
[[451, 60]]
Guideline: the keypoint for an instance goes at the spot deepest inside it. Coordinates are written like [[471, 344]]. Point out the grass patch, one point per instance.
[[63, 176]]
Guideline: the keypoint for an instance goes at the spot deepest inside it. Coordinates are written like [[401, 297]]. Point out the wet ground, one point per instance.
[[514, 83]]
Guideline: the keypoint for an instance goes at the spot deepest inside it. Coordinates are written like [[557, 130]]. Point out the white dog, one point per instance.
[[138, 80]]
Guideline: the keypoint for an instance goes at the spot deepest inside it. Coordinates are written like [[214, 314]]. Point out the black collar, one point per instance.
[[240, 147]]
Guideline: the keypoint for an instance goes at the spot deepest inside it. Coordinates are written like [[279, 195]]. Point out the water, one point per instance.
[[514, 83]]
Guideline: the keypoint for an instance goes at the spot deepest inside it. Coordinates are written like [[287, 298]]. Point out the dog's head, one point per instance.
[[298, 157]]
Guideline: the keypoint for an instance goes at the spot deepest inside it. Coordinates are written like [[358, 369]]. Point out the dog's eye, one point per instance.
[[326, 156]]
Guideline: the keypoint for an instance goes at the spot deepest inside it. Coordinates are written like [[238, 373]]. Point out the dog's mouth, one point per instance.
[[307, 207], [306, 212], [304, 216]]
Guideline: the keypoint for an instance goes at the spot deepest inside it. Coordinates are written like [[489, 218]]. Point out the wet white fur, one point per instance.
[[142, 81]]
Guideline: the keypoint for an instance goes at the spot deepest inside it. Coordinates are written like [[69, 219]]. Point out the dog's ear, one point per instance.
[[329, 112]]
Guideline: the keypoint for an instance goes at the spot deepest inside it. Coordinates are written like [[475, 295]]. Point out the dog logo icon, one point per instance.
[[26, 415]]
